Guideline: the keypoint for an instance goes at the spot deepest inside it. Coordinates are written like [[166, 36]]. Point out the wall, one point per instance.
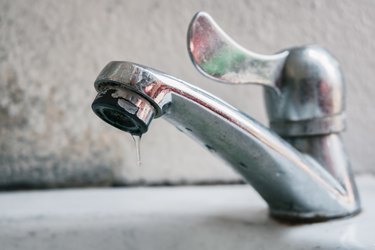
[[52, 51]]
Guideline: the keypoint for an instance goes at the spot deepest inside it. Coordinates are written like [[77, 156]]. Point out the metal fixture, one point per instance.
[[298, 165]]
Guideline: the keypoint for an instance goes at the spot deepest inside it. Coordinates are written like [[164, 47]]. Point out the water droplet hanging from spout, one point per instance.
[[137, 141]]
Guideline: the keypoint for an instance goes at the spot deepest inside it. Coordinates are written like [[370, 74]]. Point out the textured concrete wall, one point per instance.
[[52, 51]]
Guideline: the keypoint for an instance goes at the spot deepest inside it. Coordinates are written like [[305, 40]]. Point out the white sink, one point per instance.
[[203, 217]]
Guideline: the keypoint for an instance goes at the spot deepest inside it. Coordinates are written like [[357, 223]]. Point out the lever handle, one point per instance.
[[308, 83], [220, 58]]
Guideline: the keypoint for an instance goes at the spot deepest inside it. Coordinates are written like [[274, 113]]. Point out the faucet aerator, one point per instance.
[[124, 110]]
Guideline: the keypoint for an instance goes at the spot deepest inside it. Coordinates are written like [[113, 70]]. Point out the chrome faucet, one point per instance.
[[298, 165]]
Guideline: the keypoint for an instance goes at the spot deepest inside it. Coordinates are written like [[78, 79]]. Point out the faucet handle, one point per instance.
[[220, 58], [308, 96]]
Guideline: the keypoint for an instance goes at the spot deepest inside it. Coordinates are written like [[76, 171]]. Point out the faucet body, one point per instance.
[[298, 165]]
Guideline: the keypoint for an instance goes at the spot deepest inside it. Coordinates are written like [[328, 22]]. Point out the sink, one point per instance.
[[187, 217]]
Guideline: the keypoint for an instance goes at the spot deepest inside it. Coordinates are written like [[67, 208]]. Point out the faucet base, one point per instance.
[[288, 217]]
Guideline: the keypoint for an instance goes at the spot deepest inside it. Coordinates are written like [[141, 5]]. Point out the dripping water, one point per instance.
[[137, 142]]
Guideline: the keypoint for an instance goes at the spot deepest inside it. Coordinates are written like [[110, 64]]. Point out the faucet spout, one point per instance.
[[299, 179]]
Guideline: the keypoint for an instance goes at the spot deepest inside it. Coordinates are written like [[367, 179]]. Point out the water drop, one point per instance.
[[137, 141]]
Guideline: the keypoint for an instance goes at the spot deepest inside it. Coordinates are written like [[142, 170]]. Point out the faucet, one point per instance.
[[298, 165]]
